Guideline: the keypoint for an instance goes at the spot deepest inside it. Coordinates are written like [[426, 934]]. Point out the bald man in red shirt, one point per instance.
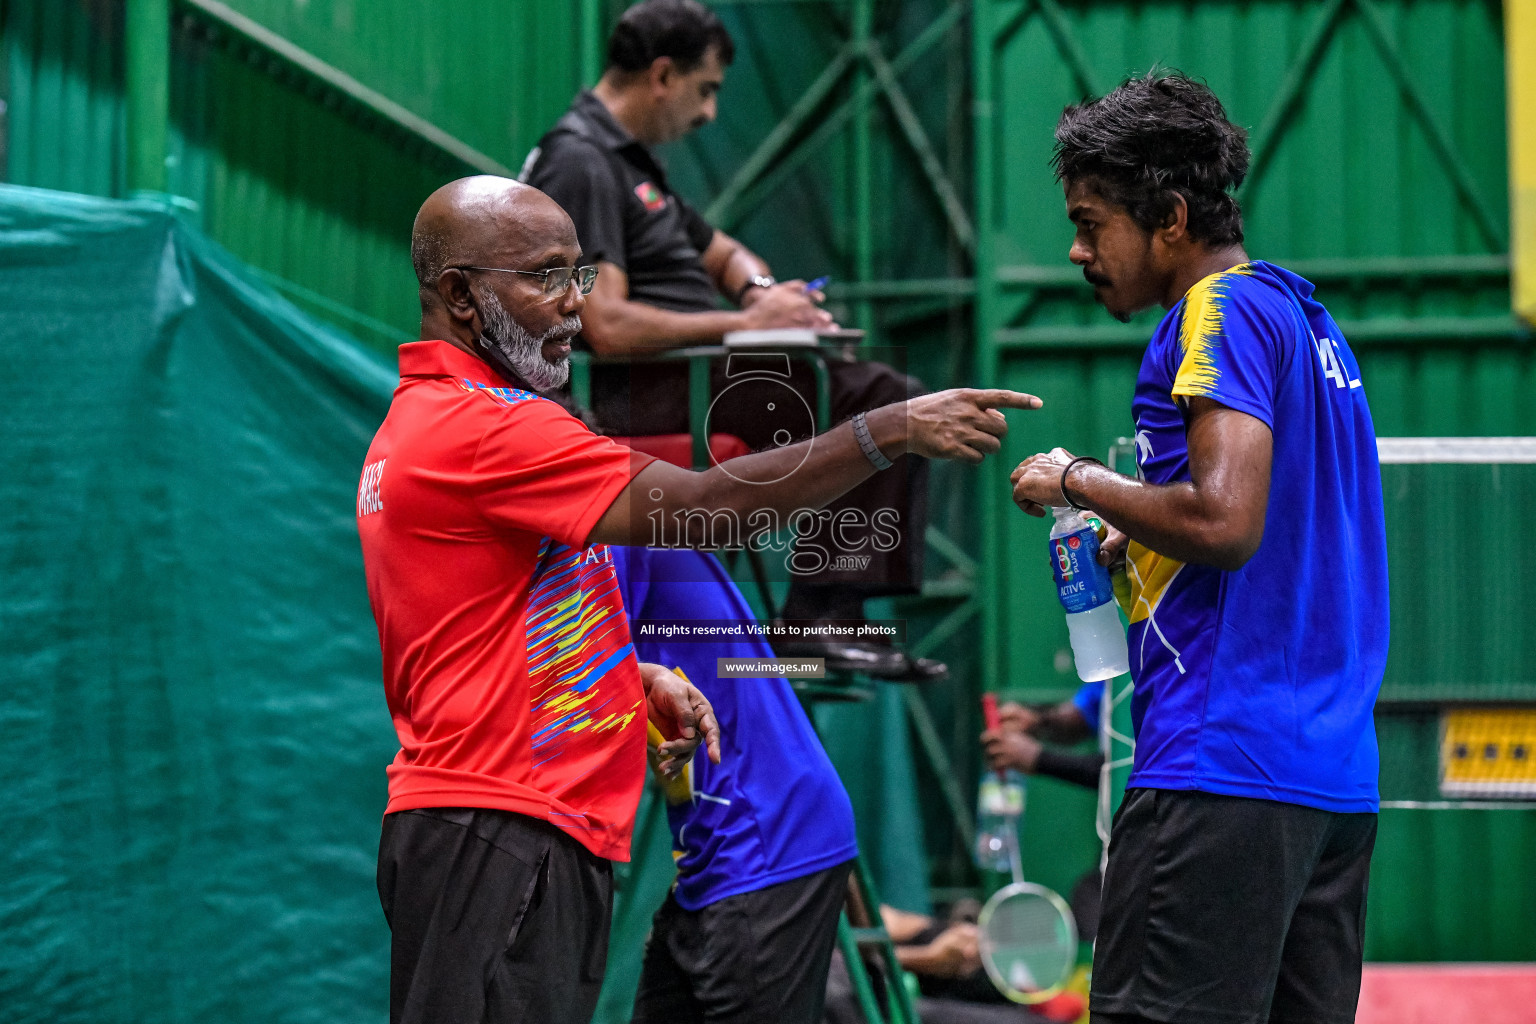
[[484, 511]]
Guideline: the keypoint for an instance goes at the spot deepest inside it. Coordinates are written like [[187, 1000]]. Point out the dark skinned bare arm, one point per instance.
[[1056, 723], [614, 325], [1216, 518], [787, 304], [730, 264], [963, 425]]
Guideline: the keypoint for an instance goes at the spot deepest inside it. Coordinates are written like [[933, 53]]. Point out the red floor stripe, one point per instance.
[[1448, 994]]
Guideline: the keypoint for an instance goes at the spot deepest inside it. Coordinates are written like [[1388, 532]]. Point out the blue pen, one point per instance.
[[818, 284]]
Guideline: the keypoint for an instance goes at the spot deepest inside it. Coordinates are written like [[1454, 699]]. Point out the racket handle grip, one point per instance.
[[989, 712]]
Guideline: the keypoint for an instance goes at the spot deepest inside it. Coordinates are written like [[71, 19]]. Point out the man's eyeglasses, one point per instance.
[[556, 279]]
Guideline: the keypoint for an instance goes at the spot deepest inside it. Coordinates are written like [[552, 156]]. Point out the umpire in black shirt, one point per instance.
[[663, 270]]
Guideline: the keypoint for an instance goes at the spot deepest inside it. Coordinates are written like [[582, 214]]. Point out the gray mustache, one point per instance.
[[563, 331]]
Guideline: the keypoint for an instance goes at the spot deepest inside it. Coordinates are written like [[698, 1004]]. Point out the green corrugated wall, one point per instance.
[[280, 174]]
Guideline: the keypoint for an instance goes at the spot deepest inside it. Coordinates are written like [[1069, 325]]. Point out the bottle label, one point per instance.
[[999, 798], [1082, 583]]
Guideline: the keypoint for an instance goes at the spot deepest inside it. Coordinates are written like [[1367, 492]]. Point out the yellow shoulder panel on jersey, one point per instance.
[[1204, 310]]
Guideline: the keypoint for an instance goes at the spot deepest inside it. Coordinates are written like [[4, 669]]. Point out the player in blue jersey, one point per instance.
[[1236, 883], [764, 840]]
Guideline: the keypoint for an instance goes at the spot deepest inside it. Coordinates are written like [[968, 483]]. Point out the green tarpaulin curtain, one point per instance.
[[192, 723], [193, 729]]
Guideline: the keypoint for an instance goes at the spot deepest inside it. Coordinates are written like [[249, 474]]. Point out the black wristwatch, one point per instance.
[[755, 281]]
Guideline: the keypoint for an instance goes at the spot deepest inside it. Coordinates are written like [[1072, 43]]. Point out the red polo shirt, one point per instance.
[[508, 667]]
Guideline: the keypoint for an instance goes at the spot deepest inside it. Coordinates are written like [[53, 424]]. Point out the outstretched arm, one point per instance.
[[964, 425]]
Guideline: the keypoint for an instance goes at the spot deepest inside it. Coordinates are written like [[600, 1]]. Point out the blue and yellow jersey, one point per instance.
[[1261, 682]]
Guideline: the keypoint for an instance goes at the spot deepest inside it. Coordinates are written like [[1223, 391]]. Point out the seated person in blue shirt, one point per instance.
[[764, 840]]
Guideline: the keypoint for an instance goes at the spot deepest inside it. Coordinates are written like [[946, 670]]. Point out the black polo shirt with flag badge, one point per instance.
[[616, 192]]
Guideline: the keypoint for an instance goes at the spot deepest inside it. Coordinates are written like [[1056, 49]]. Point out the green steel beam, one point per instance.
[[723, 209], [246, 32], [990, 479], [1493, 267], [861, 41], [927, 159], [1382, 330], [948, 626], [907, 288], [898, 316], [581, 379], [1488, 266], [752, 193], [1288, 96], [1439, 141], [1004, 33], [592, 55], [698, 412], [1389, 330], [147, 93], [938, 179], [1069, 47], [943, 768], [858, 974], [952, 552], [948, 587]]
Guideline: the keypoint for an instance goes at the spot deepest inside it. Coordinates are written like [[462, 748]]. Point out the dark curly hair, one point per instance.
[[1154, 137], [681, 29]]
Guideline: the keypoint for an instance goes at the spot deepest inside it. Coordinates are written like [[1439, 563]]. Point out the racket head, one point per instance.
[[1028, 942]]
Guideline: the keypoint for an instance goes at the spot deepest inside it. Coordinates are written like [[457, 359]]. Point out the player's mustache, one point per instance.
[[1095, 279]]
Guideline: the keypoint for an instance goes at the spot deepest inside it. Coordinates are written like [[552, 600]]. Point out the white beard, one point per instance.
[[522, 351]]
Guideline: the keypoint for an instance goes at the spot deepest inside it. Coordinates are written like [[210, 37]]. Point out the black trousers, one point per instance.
[[494, 917], [768, 400], [1228, 910], [755, 958]]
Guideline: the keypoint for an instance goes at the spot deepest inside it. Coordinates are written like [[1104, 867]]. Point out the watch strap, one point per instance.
[[755, 281]]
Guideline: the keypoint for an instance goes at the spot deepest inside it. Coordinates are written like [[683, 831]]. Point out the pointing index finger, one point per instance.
[[994, 398]]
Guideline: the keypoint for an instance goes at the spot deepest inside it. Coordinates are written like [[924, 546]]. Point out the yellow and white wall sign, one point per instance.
[[1488, 752], [1520, 68]]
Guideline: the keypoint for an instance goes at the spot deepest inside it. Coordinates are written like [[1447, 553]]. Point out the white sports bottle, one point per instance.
[[1083, 585]]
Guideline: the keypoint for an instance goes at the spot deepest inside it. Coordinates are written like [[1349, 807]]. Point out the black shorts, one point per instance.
[[493, 917], [1227, 910], [756, 958]]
